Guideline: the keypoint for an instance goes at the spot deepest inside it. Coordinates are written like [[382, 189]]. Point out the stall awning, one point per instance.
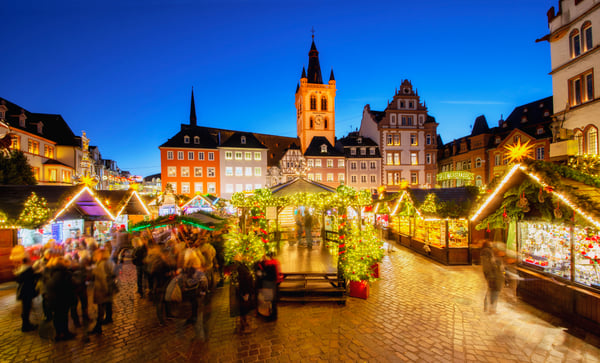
[[300, 185], [84, 205]]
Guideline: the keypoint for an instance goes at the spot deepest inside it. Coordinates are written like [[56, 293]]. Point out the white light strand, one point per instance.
[[496, 191]]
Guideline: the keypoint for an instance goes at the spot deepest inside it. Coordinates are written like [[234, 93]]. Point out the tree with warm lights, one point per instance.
[[35, 212], [363, 249]]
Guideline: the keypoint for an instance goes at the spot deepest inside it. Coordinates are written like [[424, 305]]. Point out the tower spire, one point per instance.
[[314, 67], [193, 110]]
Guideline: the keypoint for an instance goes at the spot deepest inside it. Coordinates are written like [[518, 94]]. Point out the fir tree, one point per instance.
[[35, 212], [15, 169]]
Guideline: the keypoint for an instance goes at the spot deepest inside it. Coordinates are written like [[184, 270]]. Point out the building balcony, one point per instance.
[[562, 149]]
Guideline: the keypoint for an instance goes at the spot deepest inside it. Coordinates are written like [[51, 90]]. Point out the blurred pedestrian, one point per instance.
[[60, 293], [26, 290], [244, 293], [494, 275], [299, 225], [268, 278], [139, 253], [308, 223], [81, 273], [104, 289]]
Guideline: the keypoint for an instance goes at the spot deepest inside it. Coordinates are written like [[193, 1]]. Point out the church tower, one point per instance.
[[315, 102]]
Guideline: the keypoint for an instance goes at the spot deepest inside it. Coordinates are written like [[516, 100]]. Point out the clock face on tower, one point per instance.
[[318, 121]]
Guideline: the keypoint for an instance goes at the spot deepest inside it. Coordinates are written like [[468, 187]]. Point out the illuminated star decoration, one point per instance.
[[518, 152], [89, 181]]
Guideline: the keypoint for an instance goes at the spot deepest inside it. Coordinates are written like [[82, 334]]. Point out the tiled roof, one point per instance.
[[237, 140], [480, 127], [351, 141], [314, 149]]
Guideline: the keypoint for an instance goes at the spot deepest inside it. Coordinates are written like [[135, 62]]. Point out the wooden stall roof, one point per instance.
[[300, 185]]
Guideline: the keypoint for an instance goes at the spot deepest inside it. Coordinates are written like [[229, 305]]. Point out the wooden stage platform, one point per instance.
[[296, 258]]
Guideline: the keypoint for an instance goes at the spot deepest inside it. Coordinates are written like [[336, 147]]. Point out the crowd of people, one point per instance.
[[66, 274]]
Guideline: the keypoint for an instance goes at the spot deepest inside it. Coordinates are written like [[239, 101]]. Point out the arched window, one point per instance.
[[478, 181], [323, 103], [575, 43], [311, 123], [579, 139], [592, 141], [186, 139], [325, 123], [313, 102], [586, 32], [478, 163]]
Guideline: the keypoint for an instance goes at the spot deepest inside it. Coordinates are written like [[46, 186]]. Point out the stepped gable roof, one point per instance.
[[243, 140], [314, 149], [480, 126], [54, 127], [300, 185], [207, 140]]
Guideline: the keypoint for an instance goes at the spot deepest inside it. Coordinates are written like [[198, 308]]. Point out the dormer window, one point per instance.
[[523, 119], [22, 119], [546, 113], [359, 140], [497, 139], [504, 124], [40, 126], [324, 148], [1, 115], [352, 151], [243, 140], [186, 139], [197, 140], [539, 131], [372, 151]]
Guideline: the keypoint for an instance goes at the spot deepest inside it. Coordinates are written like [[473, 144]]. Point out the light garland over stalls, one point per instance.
[[495, 192], [134, 193], [85, 188]]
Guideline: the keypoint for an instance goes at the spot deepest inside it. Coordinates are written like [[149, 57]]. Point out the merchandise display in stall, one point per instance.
[[587, 256], [458, 233], [546, 246]]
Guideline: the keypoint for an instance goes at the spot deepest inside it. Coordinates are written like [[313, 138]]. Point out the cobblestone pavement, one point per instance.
[[418, 311]]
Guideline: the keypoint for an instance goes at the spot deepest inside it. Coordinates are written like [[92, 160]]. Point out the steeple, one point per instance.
[[193, 110], [331, 77], [314, 68]]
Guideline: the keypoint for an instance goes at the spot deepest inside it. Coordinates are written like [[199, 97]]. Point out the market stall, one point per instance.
[[433, 222], [551, 217]]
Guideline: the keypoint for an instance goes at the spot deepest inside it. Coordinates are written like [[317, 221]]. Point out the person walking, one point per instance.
[[299, 225], [268, 278], [26, 291], [104, 278], [308, 223], [61, 296], [494, 276], [244, 293], [81, 275], [140, 251]]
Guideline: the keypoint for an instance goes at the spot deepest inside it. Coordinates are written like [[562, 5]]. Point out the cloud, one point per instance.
[[474, 102]]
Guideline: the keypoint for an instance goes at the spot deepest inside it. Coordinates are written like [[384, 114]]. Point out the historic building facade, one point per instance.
[[363, 162]]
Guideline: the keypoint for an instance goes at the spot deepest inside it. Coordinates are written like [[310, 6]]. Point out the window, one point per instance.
[[353, 165], [228, 155], [66, 176], [497, 140], [257, 171], [198, 171], [340, 163], [329, 177], [185, 171], [311, 176], [393, 119], [313, 102], [592, 141], [411, 104], [575, 43], [428, 178], [323, 148], [323, 104], [210, 172], [190, 155], [173, 186], [257, 186], [180, 155], [248, 188], [539, 153], [185, 188], [478, 181], [248, 155], [317, 163], [397, 158], [428, 139], [413, 140], [257, 155], [311, 123], [581, 88], [325, 124], [373, 165], [172, 171], [196, 140], [248, 171], [401, 104], [52, 175], [407, 120], [372, 151], [414, 178], [352, 151], [478, 163], [390, 159], [211, 156], [15, 142], [243, 140], [48, 151], [229, 188], [363, 179], [586, 30], [353, 179], [363, 165], [212, 187], [33, 147], [539, 131], [330, 163], [229, 171], [36, 173], [428, 158], [341, 177], [373, 179], [390, 141], [238, 155], [310, 163], [396, 139], [239, 187], [239, 171], [200, 155], [414, 160], [186, 139], [318, 177], [198, 188]]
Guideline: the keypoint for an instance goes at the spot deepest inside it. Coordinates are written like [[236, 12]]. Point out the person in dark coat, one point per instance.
[[161, 270], [61, 296], [26, 292], [494, 275], [245, 293], [140, 251], [308, 223], [81, 274], [268, 278]]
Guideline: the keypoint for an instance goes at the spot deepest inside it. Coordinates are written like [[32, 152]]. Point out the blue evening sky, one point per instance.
[[122, 70]]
